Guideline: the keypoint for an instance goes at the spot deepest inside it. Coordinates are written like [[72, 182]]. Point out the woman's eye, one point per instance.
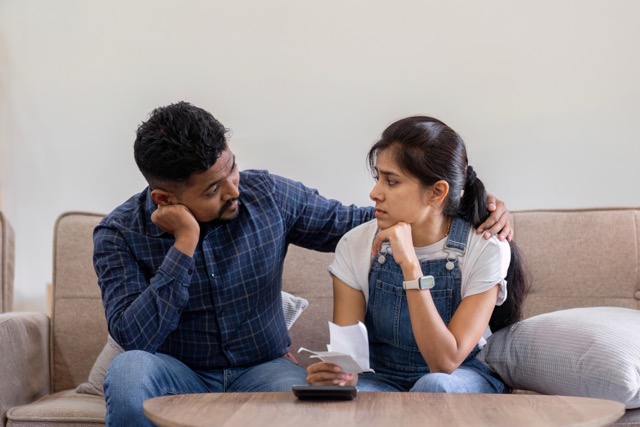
[[390, 182]]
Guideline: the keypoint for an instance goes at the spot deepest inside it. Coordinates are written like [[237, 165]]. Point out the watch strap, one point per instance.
[[421, 283]]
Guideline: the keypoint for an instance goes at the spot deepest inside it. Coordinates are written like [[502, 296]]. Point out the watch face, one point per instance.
[[426, 282]]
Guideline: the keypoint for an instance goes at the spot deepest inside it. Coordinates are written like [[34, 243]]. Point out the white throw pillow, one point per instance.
[[590, 352], [292, 307]]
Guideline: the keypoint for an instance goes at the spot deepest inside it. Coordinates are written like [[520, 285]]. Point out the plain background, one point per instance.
[[546, 94]]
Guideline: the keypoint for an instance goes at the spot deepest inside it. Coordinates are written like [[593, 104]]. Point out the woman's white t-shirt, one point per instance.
[[483, 265]]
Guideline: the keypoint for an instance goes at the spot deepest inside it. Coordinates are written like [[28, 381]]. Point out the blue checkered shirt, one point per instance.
[[221, 308]]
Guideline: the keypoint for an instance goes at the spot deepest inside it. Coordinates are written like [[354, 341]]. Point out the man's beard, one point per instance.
[[223, 209]]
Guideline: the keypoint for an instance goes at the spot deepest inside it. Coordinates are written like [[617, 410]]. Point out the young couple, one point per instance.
[[190, 269]]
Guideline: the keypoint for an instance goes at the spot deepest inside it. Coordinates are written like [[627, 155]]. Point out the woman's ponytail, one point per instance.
[[473, 208], [473, 204]]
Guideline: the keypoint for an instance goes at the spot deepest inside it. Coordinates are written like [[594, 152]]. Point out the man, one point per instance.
[[191, 268]]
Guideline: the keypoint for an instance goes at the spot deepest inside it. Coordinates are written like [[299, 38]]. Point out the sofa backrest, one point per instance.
[[7, 259], [79, 328], [580, 257], [576, 258], [305, 274]]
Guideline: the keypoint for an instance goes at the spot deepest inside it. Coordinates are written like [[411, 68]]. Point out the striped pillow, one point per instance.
[[590, 352]]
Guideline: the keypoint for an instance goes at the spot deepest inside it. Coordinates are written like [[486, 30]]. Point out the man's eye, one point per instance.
[[212, 191], [391, 182]]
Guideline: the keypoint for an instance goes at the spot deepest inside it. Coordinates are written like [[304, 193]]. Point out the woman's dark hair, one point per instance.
[[177, 141], [431, 151]]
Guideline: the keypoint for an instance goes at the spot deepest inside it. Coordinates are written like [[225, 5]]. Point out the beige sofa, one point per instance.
[[577, 258]]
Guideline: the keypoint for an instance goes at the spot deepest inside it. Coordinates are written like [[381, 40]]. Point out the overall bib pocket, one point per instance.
[[391, 320]]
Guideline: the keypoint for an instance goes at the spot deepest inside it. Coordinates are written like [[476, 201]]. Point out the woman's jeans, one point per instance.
[[135, 376], [472, 377]]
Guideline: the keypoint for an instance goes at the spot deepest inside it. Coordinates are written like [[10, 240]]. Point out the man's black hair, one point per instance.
[[177, 141]]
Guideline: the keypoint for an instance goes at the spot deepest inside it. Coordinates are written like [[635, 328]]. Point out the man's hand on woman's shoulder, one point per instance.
[[498, 221]]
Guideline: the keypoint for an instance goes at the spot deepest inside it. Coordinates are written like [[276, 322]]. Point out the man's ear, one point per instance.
[[162, 197], [439, 192]]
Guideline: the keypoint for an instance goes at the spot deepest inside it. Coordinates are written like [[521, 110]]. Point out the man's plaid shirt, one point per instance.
[[221, 308]]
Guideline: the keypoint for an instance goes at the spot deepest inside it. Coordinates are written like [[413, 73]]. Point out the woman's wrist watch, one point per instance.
[[421, 283]]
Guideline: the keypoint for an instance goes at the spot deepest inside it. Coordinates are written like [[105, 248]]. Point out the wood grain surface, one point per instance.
[[380, 409]]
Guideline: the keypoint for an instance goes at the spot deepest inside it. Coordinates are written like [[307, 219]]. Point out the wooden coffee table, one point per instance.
[[380, 409]]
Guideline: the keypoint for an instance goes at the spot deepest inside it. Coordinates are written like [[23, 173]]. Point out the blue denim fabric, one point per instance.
[[137, 375], [394, 353]]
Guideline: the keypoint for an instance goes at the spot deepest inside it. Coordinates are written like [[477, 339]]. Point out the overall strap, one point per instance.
[[458, 236]]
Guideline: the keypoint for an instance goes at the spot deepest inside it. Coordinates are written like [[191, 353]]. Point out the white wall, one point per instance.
[[546, 95]]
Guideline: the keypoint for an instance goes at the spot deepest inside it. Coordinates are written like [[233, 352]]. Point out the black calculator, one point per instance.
[[324, 392]]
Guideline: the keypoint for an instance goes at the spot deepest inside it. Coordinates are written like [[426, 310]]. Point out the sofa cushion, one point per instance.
[[63, 408], [594, 259], [78, 331], [95, 382], [630, 418], [24, 359], [292, 306], [591, 352]]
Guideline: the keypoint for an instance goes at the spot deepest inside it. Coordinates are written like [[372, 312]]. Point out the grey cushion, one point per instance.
[[292, 306], [94, 385], [591, 352], [24, 361]]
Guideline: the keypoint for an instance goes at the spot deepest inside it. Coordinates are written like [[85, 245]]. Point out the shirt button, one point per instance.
[[213, 275]]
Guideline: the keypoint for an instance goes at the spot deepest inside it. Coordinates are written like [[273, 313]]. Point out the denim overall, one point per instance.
[[393, 352]]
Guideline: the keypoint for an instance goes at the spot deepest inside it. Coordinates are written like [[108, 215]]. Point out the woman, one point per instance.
[[424, 283]]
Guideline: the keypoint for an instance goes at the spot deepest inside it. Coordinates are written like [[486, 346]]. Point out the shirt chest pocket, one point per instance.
[[390, 313]]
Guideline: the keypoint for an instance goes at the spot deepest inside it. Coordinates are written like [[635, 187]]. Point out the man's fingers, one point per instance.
[[503, 232]]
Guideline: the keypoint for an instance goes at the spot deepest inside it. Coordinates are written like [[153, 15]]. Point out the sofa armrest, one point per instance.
[[24, 359]]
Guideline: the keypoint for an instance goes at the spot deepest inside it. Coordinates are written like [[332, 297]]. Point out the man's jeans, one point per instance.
[[135, 376]]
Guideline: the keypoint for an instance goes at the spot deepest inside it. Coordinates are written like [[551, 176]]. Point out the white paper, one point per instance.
[[348, 348]]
